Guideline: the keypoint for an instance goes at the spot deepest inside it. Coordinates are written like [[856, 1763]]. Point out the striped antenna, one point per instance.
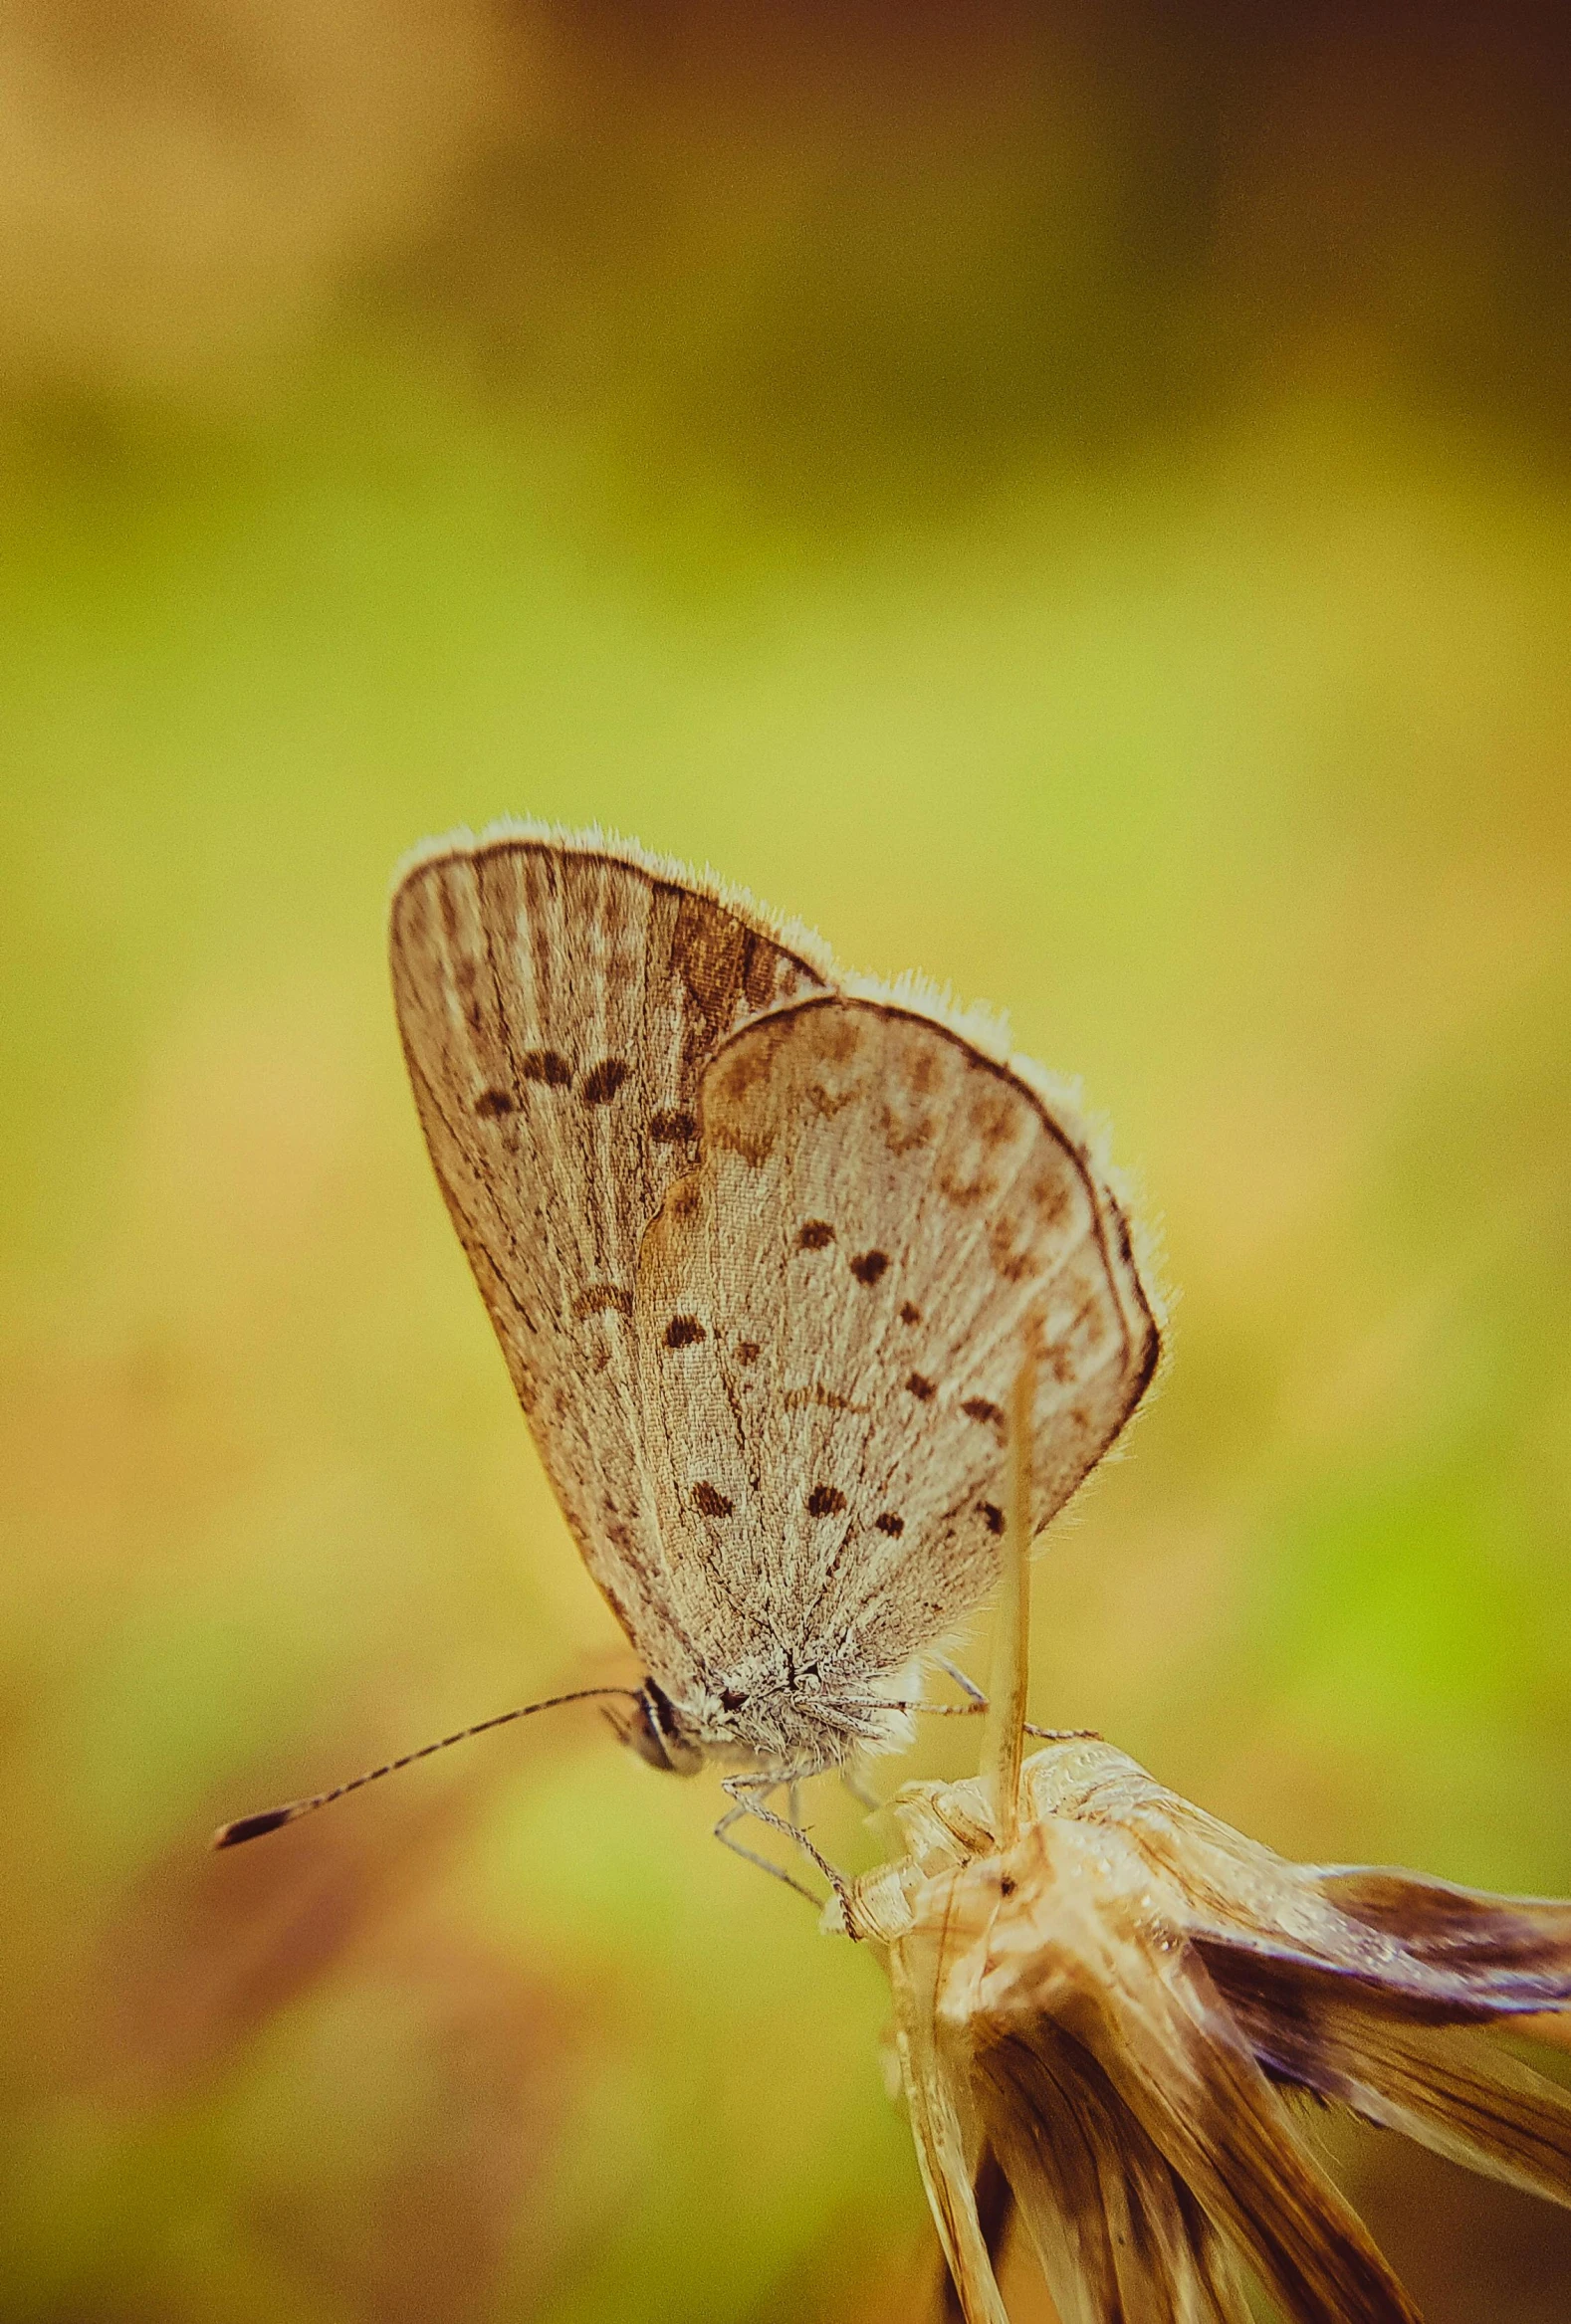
[[252, 1827]]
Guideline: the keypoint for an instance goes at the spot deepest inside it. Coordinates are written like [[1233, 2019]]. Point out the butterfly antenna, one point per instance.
[[252, 1827]]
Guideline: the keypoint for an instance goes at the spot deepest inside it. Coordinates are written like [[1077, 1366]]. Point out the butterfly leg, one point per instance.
[[978, 1702], [967, 1686], [734, 1815], [747, 1794]]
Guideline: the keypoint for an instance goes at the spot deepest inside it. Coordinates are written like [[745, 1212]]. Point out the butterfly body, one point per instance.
[[761, 1244], [771, 1716]]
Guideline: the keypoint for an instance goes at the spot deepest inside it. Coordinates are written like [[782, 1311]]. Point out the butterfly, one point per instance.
[[766, 1246], [760, 1241]]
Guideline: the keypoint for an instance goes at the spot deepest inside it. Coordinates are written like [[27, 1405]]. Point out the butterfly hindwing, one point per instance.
[[829, 1316]]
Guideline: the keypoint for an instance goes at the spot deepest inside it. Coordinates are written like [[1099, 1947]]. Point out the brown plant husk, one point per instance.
[[1123, 2004]]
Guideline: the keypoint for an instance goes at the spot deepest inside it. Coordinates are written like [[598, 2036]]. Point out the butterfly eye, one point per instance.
[[651, 1729]]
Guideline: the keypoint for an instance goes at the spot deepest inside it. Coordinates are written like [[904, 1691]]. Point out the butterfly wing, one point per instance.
[[829, 1314], [558, 1000]]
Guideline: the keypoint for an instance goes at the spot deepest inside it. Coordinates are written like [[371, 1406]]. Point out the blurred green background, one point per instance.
[[1075, 500]]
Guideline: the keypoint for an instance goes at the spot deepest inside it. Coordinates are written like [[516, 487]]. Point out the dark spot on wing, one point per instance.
[[830, 1399], [601, 1083], [978, 1408], [670, 1128], [993, 1514], [492, 1102], [683, 1331], [890, 1524], [814, 1233], [746, 1351], [910, 1314], [870, 1266], [921, 1386], [596, 1297], [545, 1065], [825, 1501], [709, 1500]]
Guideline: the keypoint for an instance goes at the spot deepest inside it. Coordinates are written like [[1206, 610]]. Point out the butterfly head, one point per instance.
[[653, 1729]]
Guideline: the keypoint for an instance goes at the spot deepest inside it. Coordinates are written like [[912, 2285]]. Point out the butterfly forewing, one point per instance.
[[828, 1318], [559, 1002]]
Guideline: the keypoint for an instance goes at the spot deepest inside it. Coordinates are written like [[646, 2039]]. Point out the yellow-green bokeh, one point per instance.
[[1224, 743]]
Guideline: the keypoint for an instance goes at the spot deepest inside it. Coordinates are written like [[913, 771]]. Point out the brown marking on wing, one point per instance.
[[671, 1125], [922, 1072], [734, 1107], [599, 1299], [710, 951], [1015, 1260], [966, 1193], [829, 1399], [601, 1083], [826, 1103], [904, 1133], [995, 1117], [759, 970], [839, 1035], [1049, 1198], [1088, 1323]]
